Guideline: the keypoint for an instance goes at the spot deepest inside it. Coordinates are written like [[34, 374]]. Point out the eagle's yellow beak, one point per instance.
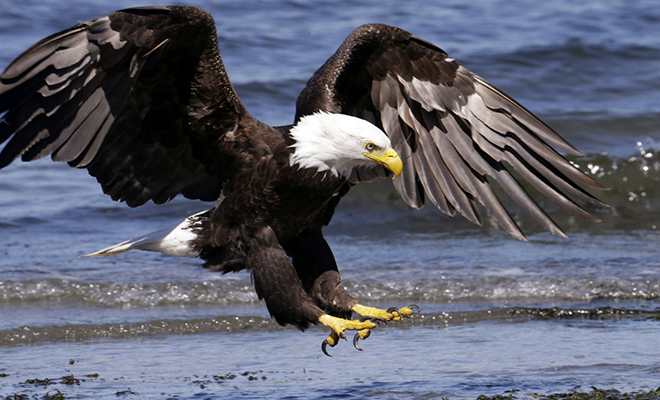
[[388, 159]]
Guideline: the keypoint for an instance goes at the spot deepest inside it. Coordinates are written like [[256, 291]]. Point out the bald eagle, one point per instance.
[[141, 99]]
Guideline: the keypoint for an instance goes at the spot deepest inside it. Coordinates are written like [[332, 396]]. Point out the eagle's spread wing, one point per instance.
[[451, 128], [139, 98]]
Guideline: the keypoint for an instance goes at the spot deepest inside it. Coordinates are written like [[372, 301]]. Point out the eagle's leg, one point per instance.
[[288, 300], [317, 269], [331, 295]]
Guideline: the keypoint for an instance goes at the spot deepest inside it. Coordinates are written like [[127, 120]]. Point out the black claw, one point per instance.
[[391, 310], [324, 347], [415, 306], [408, 317], [355, 341]]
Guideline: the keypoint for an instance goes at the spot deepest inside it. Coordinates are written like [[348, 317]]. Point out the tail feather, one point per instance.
[[177, 240], [117, 248]]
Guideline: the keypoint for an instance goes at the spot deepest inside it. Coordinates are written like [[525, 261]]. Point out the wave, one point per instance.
[[582, 65], [634, 183], [520, 314], [223, 293], [506, 289], [26, 335], [126, 295], [578, 48]]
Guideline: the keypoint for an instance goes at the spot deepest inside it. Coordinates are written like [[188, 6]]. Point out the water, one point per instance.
[[545, 316]]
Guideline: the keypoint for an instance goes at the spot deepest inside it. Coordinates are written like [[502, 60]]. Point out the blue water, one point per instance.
[[541, 317]]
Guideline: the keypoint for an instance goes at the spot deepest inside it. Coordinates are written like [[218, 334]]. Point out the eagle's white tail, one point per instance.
[[175, 240]]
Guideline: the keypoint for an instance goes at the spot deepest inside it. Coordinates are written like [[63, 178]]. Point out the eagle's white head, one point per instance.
[[339, 143]]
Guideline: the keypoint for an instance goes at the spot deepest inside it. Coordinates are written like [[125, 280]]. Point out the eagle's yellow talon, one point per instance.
[[339, 325], [333, 339], [391, 314], [370, 317], [403, 312], [364, 333]]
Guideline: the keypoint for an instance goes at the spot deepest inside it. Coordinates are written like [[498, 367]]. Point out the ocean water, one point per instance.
[[499, 317]]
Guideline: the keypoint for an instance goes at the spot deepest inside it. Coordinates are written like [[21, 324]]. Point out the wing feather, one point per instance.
[[432, 179], [140, 98], [456, 133], [409, 185]]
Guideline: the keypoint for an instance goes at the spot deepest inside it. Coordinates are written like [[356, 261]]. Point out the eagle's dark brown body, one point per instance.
[[261, 224]]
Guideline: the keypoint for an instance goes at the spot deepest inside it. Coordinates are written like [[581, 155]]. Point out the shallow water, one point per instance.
[[543, 316]]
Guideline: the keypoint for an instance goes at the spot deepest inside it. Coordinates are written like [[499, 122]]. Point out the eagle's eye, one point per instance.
[[370, 146]]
